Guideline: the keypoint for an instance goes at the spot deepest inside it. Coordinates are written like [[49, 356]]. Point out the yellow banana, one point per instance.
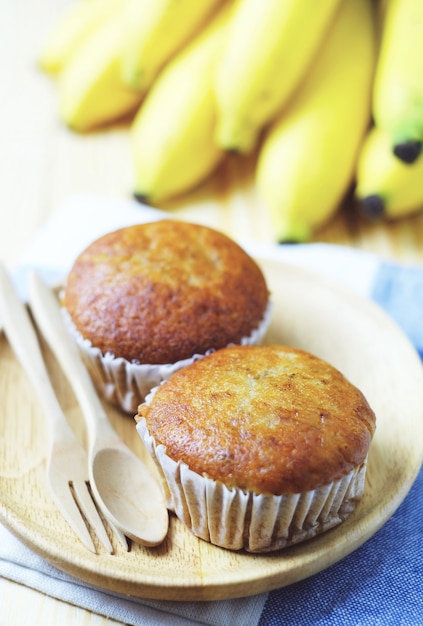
[[398, 86], [386, 187], [172, 134], [91, 92], [308, 156], [154, 31], [75, 26], [269, 48]]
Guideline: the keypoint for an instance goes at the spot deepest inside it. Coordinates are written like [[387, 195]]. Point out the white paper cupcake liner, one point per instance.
[[125, 384], [235, 520]]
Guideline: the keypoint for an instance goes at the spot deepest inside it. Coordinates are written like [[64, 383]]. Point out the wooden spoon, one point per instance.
[[127, 487]]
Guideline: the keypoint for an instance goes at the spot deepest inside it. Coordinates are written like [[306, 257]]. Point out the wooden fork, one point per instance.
[[67, 464]]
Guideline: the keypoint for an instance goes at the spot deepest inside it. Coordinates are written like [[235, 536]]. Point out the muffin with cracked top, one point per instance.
[[260, 447], [147, 299]]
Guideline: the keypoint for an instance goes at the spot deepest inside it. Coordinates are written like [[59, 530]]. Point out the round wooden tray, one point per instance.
[[346, 330]]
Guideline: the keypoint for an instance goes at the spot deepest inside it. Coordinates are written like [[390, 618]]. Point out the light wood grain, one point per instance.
[[351, 333]]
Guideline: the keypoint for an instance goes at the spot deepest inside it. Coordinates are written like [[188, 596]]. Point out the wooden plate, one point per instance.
[[351, 333]]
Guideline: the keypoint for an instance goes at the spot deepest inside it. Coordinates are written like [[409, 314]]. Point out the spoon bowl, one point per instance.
[[125, 492], [127, 486]]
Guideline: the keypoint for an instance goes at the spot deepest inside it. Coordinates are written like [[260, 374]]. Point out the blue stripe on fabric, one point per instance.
[[399, 290], [380, 584]]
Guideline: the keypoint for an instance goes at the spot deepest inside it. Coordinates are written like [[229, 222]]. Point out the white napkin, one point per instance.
[[23, 566], [82, 218], [75, 224]]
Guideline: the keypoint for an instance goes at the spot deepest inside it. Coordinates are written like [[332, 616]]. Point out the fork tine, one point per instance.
[[87, 506], [119, 535], [86, 502], [67, 506]]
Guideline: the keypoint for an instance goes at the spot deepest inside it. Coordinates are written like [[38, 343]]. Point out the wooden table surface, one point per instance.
[[42, 164]]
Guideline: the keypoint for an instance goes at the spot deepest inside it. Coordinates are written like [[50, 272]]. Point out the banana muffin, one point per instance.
[[147, 299], [260, 447]]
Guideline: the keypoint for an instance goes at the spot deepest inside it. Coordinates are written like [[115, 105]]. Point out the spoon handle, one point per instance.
[[48, 315]]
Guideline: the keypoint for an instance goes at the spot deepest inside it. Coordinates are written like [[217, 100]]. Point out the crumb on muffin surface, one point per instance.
[[163, 291], [267, 419]]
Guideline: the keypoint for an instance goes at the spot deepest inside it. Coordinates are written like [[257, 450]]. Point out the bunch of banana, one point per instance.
[[386, 186], [75, 27], [154, 31], [291, 80], [270, 47], [91, 92], [107, 53], [308, 157], [398, 85], [172, 134]]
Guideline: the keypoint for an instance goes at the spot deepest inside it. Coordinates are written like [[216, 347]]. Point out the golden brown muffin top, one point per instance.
[[163, 291], [268, 419]]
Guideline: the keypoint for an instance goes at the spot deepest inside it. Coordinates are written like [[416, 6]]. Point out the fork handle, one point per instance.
[[49, 318], [23, 339]]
